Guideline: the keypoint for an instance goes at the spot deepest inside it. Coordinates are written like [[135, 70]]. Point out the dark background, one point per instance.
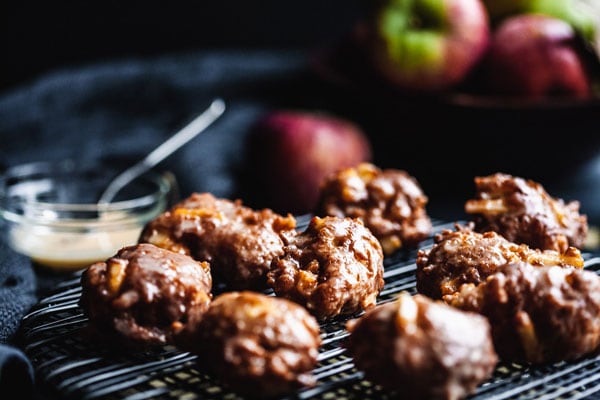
[[39, 36]]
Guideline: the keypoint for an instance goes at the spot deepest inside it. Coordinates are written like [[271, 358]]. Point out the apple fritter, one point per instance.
[[465, 256], [334, 267], [422, 348], [238, 241], [144, 295], [523, 212], [538, 314], [260, 346], [390, 202]]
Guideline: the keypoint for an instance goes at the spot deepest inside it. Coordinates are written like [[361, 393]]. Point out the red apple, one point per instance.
[[290, 152], [427, 45], [583, 15], [535, 56]]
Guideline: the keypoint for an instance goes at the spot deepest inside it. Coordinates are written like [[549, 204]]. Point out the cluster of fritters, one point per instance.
[[508, 286]]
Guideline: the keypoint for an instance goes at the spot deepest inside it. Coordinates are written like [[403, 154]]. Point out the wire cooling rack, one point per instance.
[[71, 366]]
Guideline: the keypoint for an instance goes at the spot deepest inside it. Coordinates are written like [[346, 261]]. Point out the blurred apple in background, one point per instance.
[[534, 56], [582, 15], [289, 153], [426, 45]]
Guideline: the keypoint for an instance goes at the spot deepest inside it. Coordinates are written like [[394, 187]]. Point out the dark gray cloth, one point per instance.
[[17, 296], [16, 373], [121, 111], [17, 291]]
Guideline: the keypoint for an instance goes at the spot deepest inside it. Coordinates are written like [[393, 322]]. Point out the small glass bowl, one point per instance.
[[49, 211]]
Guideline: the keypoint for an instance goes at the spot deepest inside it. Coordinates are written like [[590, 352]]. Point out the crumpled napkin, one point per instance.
[[16, 372], [17, 290], [17, 296]]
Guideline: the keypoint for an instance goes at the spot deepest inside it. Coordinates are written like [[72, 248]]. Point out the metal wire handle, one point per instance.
[[187, 133]]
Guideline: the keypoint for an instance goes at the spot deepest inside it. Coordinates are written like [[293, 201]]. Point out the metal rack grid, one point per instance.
[[70, 365]]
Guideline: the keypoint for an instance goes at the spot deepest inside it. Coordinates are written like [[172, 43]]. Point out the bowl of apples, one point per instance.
[[473, 53], [450, 89]]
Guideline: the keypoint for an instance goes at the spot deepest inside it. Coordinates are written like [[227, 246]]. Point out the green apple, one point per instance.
[[426, 45]]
